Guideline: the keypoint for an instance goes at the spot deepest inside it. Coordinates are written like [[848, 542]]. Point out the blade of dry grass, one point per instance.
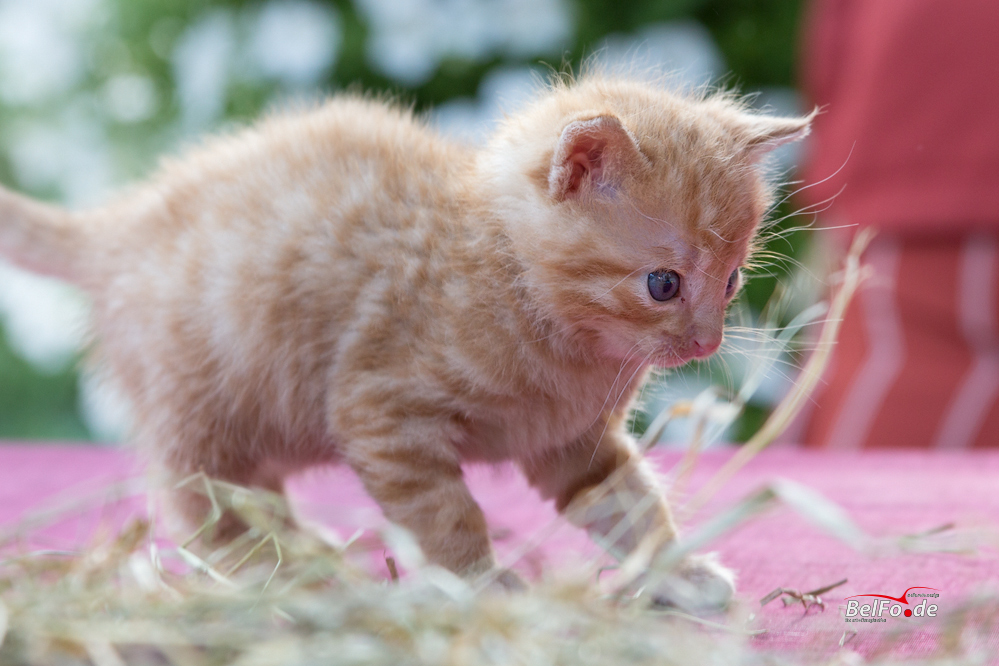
[[810, 375]]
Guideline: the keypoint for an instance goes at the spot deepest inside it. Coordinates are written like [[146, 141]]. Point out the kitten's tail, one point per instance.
[[40, 237]]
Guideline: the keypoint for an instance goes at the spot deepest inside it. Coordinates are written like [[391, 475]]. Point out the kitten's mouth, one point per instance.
[[669, 358]]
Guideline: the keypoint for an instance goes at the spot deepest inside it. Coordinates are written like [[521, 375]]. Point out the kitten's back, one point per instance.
[[228, 283]]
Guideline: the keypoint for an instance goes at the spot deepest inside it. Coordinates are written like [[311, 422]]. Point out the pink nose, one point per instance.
[[706, 347]]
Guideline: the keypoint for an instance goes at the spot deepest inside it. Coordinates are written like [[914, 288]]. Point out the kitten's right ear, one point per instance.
[[764, 133], [593, 153]]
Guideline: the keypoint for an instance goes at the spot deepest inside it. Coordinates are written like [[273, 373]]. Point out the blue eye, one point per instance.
[[733, 283], [664, 285]]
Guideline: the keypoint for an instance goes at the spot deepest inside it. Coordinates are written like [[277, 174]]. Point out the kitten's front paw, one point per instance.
[[698, 584], [511, 581], [504, 580]]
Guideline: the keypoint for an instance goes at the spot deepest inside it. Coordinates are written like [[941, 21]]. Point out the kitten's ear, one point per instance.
[[764, 133], [597, 152]]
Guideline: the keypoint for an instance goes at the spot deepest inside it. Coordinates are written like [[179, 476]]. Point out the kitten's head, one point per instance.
[[633, 210]]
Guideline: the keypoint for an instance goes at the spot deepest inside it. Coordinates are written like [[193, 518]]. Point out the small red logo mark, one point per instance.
[[902, 599]]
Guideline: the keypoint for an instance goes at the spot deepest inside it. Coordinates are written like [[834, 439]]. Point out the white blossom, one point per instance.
[[202, 60], [684, 50], [130, 98], [502, 91], [69, 153], [39, 57], [295, 42], [44, 319], [409, 38]]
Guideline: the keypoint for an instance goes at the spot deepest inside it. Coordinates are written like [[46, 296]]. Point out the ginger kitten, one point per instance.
[[343, 284]]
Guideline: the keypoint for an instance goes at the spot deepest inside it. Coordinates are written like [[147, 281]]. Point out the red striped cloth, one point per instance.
[[908, 143], [917, 363]]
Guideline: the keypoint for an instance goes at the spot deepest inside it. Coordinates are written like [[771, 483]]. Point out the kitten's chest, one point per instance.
[[539, 421]]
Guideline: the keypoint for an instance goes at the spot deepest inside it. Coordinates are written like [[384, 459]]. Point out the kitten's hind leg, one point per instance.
[[199, 508], [602, 485]]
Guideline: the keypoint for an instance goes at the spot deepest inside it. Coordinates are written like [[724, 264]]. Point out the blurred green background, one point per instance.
[[94, 92]]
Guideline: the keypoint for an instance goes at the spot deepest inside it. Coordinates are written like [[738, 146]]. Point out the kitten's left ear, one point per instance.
[[593, 153], [764, 133]]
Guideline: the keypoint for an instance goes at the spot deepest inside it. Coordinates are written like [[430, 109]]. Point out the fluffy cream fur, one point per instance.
[[343, 284]]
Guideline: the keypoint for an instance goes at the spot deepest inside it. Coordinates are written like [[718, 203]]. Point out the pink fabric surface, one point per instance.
[[887, 494]]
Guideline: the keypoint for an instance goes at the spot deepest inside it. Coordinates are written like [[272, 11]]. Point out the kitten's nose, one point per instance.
[[704, 347]]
